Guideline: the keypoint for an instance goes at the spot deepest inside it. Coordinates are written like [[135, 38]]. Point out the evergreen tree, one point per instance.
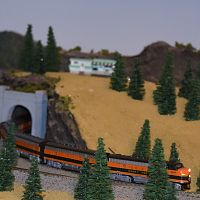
[[174, 155], [39, 65], [143, 145], [52, 56], [6, 176], [158, 186], [8, 159], [136, 87], [186, 83], [192, 109], [118, 78], [165, 95], [83, 186], [33, 188], [198, 72], [101, 188], [198, 183], [27, 54]]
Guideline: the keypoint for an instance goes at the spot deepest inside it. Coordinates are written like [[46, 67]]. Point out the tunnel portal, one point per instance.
[[22, 119], [27, 110]]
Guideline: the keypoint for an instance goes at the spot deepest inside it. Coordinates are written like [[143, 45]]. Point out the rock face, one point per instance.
[[62, 127], [152, 60], [61, 124]]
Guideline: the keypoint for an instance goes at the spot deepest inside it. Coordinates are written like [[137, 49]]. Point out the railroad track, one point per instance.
[[116, 182], [189, 195], [45, 173]]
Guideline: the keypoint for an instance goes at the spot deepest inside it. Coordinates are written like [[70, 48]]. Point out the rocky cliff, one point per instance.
[[62, 127]]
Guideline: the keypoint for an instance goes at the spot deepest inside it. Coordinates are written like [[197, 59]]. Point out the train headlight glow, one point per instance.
[[189, 170]]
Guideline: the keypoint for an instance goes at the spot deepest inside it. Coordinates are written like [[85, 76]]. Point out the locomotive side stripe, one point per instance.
[[173, 178], [64, 162], [27, 149], [28, 146], [127, 173], [63, 158], [63, 155]]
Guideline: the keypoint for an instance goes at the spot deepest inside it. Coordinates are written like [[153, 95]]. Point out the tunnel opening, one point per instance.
[[22, 119]]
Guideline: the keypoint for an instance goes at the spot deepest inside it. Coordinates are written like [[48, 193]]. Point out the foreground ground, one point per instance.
[[101, 112]]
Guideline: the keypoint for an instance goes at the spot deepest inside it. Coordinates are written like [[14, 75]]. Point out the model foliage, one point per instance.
[[39, 64], [158, 186], [83, 186], [192, 107], [165, 95], [143, 145], [52, 56], [198, 72], [8, 159], [27, 54], [101, 188], [33, 188], [136, 86], [198, 183], [174, 155], [118, 78], [186, 83]]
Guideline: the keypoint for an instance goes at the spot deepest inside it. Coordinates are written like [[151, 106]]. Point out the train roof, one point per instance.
[[124, 157], [29, 138], [56, 145]]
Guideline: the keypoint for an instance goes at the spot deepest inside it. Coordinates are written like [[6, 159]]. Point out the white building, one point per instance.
[[98, 66]]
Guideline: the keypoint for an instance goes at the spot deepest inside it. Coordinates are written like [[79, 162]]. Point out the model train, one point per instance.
[[123, 168]]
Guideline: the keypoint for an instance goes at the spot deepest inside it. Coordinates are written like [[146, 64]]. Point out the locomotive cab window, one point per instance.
[[174, 166]]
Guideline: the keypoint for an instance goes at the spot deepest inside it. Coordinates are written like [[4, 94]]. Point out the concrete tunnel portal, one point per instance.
[[27, 110]]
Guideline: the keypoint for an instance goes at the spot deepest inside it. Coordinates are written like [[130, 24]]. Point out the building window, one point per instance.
[[75, 62]]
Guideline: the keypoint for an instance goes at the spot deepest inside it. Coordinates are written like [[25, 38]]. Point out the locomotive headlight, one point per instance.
[[189, 170]]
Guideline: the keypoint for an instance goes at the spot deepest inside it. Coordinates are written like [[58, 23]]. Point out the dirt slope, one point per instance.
[[101, 112]]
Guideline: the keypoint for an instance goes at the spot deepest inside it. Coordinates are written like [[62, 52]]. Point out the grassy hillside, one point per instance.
[[101, 112]]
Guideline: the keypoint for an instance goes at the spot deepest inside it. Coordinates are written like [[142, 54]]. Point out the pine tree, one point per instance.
[[198, 183], [33, 188], [186, 83], [174, 155], [83, 186], [192, 108], [136, 87], [101, 183], [118, 79], [198, 72], [10, 146], [39, 65], [158, 186], [164, 95], [6, 176], [27, 54], [8, 159], [143, 145], [52, 56]]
